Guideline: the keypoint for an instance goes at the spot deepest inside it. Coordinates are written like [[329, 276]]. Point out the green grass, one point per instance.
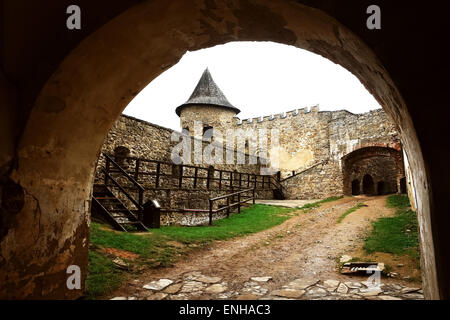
[[156, 249], [398, 234], [398, 201], [102, 276], [349, 211], [251, 220], [319, 203]]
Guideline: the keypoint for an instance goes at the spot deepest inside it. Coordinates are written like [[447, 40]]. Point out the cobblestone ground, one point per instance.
[[295, 261]]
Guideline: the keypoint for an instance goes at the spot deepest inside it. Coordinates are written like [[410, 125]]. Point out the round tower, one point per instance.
[[206, 109]]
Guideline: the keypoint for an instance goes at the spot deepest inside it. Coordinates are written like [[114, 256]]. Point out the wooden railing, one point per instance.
[[297, 173], [195, 177], [118, 169], [228, 208], [241, 199]]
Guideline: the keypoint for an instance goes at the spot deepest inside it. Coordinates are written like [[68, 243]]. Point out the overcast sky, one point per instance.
[[259, 78]]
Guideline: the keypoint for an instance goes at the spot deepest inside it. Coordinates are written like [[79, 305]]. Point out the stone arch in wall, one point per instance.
[[379, 169], [93, 84]]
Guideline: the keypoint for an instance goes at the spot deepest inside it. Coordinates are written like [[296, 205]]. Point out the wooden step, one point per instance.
[[105, 198], [118, 210]]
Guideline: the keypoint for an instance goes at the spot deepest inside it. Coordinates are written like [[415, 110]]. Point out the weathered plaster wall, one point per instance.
[[302, 137], [312, 143]]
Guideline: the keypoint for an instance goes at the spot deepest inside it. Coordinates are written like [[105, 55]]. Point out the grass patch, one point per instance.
[[317, 204], [398, 201], [398, 234], [156, 248], [251, 220], [349, 211], [102, 276]]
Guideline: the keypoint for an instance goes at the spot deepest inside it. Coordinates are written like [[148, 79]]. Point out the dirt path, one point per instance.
[[305, 247]]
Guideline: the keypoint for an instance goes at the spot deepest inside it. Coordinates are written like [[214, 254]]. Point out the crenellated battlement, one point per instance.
[[280, 116], [297, 113]]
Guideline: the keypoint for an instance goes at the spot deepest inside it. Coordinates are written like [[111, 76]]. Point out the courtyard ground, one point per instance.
[[297, 259]]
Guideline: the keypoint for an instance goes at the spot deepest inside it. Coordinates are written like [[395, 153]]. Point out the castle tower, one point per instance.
[[209, 106]]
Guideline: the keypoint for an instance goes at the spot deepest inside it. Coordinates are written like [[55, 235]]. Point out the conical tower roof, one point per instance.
[[207, 93]]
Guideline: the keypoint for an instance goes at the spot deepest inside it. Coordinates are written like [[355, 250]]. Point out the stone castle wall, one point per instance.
[[313, 143], [150, 141]]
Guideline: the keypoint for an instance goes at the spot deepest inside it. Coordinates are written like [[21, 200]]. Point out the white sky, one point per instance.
[[259, 78]]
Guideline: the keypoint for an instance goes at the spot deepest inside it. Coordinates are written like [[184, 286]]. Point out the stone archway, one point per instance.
[[77, 106], [379, 169]]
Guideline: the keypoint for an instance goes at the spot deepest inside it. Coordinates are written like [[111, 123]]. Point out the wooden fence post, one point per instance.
[[209, 177], [239, 203], [195, 177], [231, 180], [210, 212]]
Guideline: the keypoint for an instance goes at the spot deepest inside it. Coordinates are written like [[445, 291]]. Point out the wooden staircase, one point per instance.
[[278, 192], [107, 206]]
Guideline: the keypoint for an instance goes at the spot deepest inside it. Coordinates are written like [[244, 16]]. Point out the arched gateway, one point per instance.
[[69, 99]]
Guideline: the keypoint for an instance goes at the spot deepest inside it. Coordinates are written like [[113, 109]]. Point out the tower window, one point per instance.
[[207, 132]]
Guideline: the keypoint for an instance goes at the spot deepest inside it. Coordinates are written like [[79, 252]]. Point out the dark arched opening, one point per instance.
[[381, 188], [356, 187], [368, 185]]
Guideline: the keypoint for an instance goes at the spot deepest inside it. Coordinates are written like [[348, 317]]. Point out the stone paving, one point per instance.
[[195, 286]]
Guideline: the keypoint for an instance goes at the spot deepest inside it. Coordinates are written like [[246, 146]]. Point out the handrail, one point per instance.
[[229, 205], [295, 174], [223, 179], [124, 172], [139, 203], [136, 203], [231, 194]]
